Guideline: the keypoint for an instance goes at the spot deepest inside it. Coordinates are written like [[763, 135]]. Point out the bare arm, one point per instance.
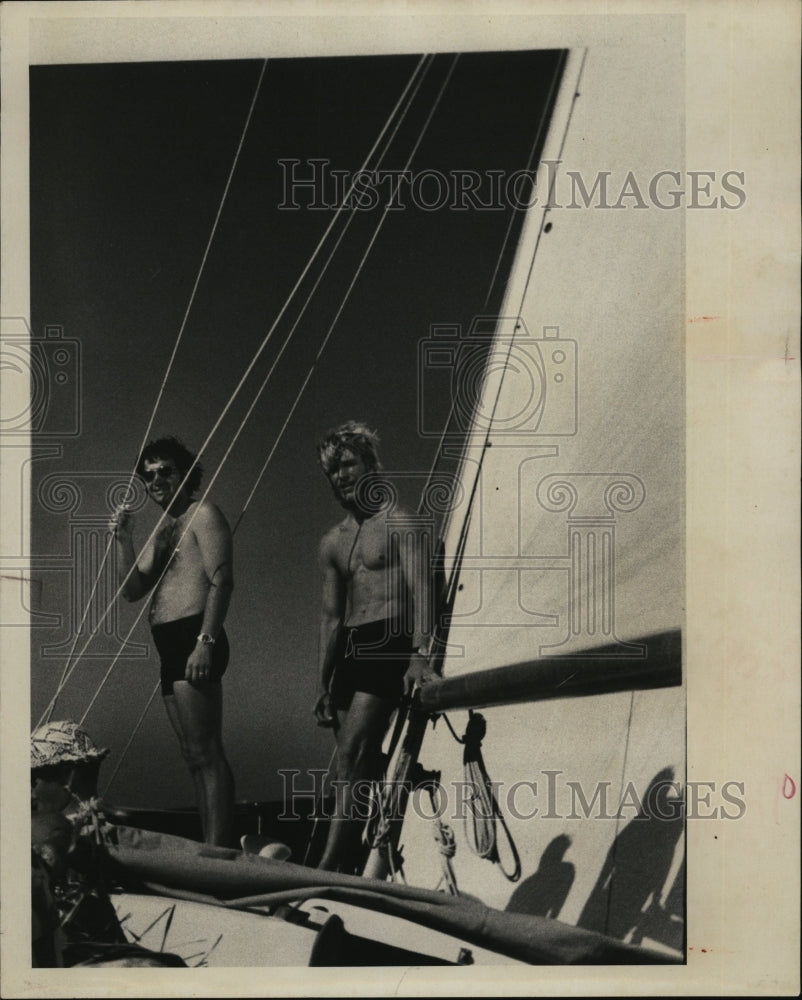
[[136, 576], [332, 610], [215, 544]]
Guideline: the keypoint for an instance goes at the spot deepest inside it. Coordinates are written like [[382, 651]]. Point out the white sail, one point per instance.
[[572, 486]]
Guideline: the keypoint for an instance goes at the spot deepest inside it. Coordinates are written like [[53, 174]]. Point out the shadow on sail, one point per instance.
[[544, 892], [632, 883]]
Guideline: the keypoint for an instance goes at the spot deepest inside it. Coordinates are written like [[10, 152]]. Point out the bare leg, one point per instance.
[[199, 710], [197, 780], [359, 743]]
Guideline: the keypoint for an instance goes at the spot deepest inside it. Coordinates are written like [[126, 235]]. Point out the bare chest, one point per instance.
[[365, 548], [176, 548]]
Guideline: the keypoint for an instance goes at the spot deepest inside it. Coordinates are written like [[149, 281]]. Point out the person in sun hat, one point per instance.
[[69, 900], [65, 764]]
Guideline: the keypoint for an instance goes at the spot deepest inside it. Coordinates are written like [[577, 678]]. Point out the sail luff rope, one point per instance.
[[343, 302], [70, 668], [463, 536], [462, 539], [485, 832], [559, 160], [546, 109], [438, 451], [168, 368]]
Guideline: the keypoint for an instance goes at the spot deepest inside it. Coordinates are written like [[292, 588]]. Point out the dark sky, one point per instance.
[[128, 166]]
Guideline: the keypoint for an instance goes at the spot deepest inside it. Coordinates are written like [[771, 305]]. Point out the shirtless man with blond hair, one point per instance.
[[188, 565], [375, 623]]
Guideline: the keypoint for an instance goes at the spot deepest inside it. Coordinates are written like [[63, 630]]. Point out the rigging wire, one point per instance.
[[305, 270], [246, 126], [350, 287], [146, 435], [70, 668], [127, 746], [252, 406], [346, 296], [320, 801], [329, 332], [116, 657], [334, 321]]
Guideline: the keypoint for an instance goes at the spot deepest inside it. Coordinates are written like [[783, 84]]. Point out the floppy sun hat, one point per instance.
[[63, 742]]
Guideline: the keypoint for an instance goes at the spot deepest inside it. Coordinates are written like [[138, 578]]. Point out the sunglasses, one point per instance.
[[163, 471]]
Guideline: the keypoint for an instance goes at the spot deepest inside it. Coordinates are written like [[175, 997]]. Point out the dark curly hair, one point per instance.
[[172, 448]]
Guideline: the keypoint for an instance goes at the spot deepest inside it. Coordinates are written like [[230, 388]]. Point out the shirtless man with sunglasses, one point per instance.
[[188, 566]]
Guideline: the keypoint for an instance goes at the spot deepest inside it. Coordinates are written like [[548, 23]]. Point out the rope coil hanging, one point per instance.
[[481, 830]]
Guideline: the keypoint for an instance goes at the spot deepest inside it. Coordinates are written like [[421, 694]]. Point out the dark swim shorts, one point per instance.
[[176, 640], [372, 658]]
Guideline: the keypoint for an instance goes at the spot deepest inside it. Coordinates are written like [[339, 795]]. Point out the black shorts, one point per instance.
[[372, 658], [176, 640]]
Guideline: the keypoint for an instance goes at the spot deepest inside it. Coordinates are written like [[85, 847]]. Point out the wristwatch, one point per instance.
[[205, 639], [423, 651]]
